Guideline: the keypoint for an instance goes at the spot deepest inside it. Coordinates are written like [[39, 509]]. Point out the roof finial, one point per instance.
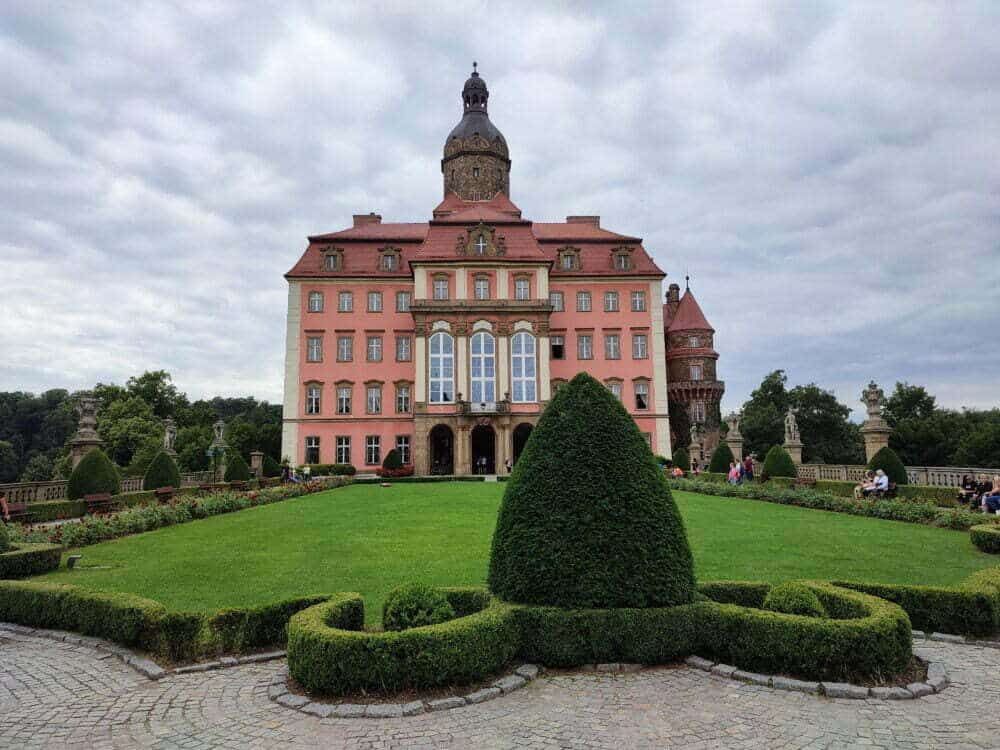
[[474, 64], [687, 282]]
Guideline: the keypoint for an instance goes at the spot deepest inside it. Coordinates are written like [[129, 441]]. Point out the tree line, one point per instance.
[[35, 429]]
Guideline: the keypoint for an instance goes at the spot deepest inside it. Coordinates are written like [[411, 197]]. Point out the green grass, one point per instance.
[[369, 539]]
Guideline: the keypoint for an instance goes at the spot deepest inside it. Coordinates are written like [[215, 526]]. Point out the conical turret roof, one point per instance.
[[689, 316]]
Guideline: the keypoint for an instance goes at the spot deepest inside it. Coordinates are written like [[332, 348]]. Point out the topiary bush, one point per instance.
[[162, 472], [777, 463], [94, 475], [887, 460], [236, 468], [587, 519], [794, 598], [721, 459], [414, 605], [392, 461], [682, 459], [271, 467]]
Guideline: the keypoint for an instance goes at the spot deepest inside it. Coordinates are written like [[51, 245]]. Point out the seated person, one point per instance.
[[967, 489], [991, 500], [865, 486], [983, 488], [881, 484]]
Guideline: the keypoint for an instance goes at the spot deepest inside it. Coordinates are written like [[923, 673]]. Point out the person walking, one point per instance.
[[748, 468]]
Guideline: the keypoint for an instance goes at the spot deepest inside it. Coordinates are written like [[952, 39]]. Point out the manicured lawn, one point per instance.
[[369, 539]]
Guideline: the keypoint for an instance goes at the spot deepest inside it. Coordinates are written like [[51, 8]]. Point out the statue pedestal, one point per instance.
[[876, 434], [736, 446], [80, 447], [794, 448], [257, 463]]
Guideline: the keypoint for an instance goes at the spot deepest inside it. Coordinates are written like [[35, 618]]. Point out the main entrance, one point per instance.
[[484, 444], [520, 438], [442, 450]]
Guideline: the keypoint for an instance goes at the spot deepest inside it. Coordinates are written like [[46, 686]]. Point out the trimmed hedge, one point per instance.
[[427, 479], [971, 608], [887, 460], [944, 497], [392, 461], [987, 538], [328, 653], [95, 474], [23, 560], [162, 472], [415, 605], [336, 470], [236, 468], [721, 460], [587, 519], [777, 463], [4, 538], [794, 598], [243, 629], [52, 510]]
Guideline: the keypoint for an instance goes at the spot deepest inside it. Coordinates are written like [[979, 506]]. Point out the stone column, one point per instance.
[[733, 438], [86, 437], [875, 429], [463, 450], [257, 463]]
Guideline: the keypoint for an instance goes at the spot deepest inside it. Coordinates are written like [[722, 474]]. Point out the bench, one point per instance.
[[163, 494], [238, 486], [804, 482], [887, 494], [100, 502], [18, 511]]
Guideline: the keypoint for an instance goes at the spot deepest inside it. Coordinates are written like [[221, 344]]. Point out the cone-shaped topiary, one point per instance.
[[94, 475], [777, 463], [587, 519], [721, 459], [4, 538], [392, 460], [887, 460], [271, 467], [682, 459], [162, 472], [236, 468]]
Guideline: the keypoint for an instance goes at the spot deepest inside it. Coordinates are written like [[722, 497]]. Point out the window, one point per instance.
[[556, 300], [475, 171], [373, 403], [390, 262], [568, 261], [693, 342], [373, 450], [583, 301], [403, 399], [558, 347], [315, 301], [621, 262], [522, 289], [343, 399], [374, 348], [331, 261], [615, 387], [584, 346], [374, 301], [442, 368], [403, 448], [440, 289], [403, 349], [639, 346], [641, 394], [402, 301], [345, 348], [638, 302], [312, 399], [611, 301], [480, 245], [345, 302], [314, 349], [483, 368], [343, 449], [482, 287], [312, 450], [696, 372], [698, 411], [612, 346], [522, 367]]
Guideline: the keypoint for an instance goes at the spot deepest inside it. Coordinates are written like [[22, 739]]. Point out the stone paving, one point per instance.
[[57, 695]]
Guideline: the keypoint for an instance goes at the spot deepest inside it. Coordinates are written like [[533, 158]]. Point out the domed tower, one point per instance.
[[475, 164]]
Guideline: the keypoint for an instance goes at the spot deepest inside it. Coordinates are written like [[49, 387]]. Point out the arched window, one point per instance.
[[483, 369], [442, 368], [522, 367]]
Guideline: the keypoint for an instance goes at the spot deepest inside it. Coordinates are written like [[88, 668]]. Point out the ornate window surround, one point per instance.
[[390, 252], [568, 251], [494, 244], [333, 258], [623, 251]]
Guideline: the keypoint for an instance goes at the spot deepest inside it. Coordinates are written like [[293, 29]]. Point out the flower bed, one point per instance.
[[910, 511]]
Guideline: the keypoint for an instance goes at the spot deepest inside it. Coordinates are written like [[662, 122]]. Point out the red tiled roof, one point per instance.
[[519, 243], [560, 231], [689, 316], [405, 232], [477, 213], [454, 204]]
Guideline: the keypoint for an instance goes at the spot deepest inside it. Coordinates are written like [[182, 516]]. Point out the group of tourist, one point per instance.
[[981, 493], [874, 483], [741, 471]]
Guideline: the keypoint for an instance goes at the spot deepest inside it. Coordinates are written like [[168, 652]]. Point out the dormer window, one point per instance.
[[388, 259], [622, 262], [569, 259], [333, 260], [480, 245]]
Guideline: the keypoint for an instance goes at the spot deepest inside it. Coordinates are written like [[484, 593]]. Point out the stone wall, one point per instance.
[[928, 476], [36, 492]]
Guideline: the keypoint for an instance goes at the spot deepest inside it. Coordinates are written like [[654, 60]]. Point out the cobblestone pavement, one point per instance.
[[55, 695]]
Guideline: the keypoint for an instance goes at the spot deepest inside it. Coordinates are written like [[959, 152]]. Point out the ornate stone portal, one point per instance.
[[793, 441], [734, 439], [86, 437], [875, 429]]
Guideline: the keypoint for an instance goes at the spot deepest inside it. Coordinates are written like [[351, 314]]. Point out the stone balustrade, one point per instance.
[[928, 476], [37, 492]]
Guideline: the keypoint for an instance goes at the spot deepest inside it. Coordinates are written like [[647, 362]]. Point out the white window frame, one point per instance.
[[523, 368], [481, 287], [314, 348], [316, 302], [522, 289], [584, 346], [611, 301], [612, 346], [638, 301], [404, 349], [373, 349], [344, 394], [373, 399], [693, 342], [374, 301], [390, 262], [557, 302], [403, 301], [403, 444], [640, 346], [343, 454], [482, 368], [698, 412], [622, 262], [584, 302], [568, 262], [345, 348], [403, 402], [331, 262], [314, 396], [554, 341], [444, 382], [615, 387], [697, 373], [345, 301], [641, 389], [373, 450], [440, 289]]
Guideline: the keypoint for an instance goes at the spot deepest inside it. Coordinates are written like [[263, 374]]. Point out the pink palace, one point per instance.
[[444, 339]]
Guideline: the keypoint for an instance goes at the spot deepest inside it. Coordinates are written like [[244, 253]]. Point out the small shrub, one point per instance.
[[794, 598], [887, 460], [721, 459], [271, 467], [4, 538], [986, 537], [94, 475], [682, 459], [414, 605], [777, 463], [162, 472], [236, 468], [392, 461]]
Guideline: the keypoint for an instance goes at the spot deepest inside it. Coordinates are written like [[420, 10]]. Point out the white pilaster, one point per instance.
[[420, 363], [461, 367], [658, 351], [503, 366], [461, 283], [543, 283], [503, 282], [419, 283], [293, 325], [542, 349]]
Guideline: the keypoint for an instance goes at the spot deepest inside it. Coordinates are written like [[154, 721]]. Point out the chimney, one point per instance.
[[361, 219], [592, 220], [673, 298]]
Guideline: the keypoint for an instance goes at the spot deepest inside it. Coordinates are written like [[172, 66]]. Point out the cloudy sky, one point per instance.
[[827, 172]]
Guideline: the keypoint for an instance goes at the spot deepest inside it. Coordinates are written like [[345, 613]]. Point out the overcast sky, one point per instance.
[[827, 173]]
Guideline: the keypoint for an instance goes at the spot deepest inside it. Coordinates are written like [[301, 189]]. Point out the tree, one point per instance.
[[269, 439], [981, 445], [191, 445], [908, 402], [777, 463], [241, 436], [271, 467], [38, 469], [764, 414], [8, 462], [94, 475], [722, 458], [827, 434], [162, 472], [682, 459], [128, 426], [587, 519], [236, 468], [157, 390], [887, 460]]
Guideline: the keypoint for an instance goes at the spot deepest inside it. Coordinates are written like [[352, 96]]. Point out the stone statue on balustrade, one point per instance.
[[873, 398], [86, 437], [791, 428], [875, 430], [169, 436], [734, 439]]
